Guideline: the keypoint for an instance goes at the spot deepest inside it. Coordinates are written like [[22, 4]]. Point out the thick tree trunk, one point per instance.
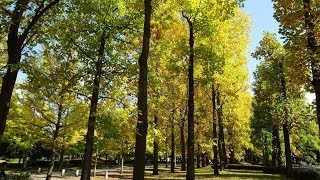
[[173, 145], [142, 124], [285, 127], [183, 146], [155, 148], [214, 131], [190, 161], [167, 158], [54, 143], [312, 53], [223, 157], [86, 166]]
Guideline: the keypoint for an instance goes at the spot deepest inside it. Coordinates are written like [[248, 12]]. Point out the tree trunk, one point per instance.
[[198, 156], [223, 157], [173, 146], [54, 143], [190, 161], [155, 148], [25, 160], [105, 162], [286, 135], [276, 154], [214, 131], [166, 158], [86, 166], [183, 146], [142, 124], [312, 52], [203, 160]]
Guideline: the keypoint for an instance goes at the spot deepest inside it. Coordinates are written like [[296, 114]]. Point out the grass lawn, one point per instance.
[[207, 173]]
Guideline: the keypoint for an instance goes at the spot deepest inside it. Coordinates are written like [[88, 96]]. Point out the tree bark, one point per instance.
[[15, 43], [276, 154], [142, 124], [223, 157], [183, 145], [86, 166], [286, 134], [312, 53], [155, 148], [190, 148], [214, 131], [198, 156], [54, 143], [173, 145], [203, 160]]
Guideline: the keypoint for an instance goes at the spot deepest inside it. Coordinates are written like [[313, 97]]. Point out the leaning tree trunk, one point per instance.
[[155, 148], [86, 166], [54, 143], [285, 127], [183, 146], [312, 52], [214, 131], [190, 161], [173, 145], [142, 124]]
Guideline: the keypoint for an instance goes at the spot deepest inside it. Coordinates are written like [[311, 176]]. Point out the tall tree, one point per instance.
[[142, 124]]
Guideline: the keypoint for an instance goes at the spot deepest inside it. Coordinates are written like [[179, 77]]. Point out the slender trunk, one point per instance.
[[232, 160], [313, 53], [198, 156], [173, 146], [276, 154], [286, 134], [25, 159], [214, 131], [190, 161], [142, 124], [105, 162], [86, 166], [54, 143], [223, 157], [155, 148], [203, 160], [20, 157], [166, 157], [183, 146], [61, 157], [122, 164]]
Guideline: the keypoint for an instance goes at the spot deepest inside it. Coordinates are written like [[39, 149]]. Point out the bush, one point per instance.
[[305, 174], [21, 176]]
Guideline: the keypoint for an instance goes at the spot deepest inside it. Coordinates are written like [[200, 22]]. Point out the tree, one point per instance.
[[20, 28], [142, 124]]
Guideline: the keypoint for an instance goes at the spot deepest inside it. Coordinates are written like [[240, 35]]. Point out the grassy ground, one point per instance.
[[207, 173]]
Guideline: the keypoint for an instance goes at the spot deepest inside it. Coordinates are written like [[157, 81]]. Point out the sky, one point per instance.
[[261, 13]]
